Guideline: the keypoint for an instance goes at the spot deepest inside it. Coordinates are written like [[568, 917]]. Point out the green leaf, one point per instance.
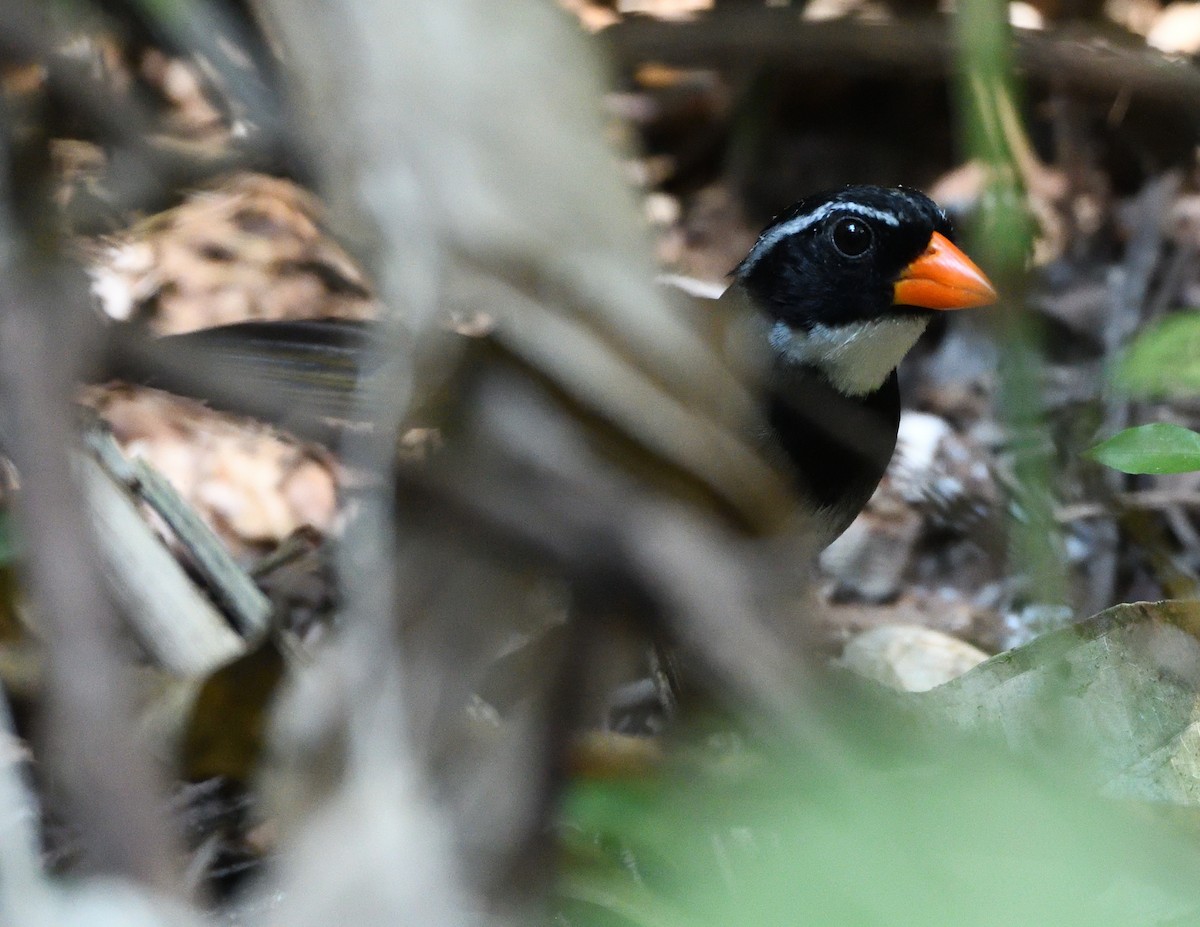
[[625, 903], [1158, 448], [1164, 360], [881, 814], [10, 541]]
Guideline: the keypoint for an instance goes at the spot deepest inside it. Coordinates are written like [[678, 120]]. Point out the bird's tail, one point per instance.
[[300, 375]]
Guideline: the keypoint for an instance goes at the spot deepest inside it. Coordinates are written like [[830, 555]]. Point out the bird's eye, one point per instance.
[[852, 237]]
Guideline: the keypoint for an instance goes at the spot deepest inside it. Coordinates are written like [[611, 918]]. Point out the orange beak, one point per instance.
[[943, 278]]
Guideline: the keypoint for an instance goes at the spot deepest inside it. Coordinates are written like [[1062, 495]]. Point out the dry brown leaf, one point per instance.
[[592, 16], [1176, 30], [252, 485], [665, 9], [253, 248]]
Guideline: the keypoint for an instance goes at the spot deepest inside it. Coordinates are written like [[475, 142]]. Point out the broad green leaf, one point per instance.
[[1164, 360], [1158, 448], [973, 805]]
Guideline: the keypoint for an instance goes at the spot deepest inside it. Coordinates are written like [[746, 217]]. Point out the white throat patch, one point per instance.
[[858, 357]]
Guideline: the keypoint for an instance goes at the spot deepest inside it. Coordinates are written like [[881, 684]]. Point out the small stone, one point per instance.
[[910, 658]]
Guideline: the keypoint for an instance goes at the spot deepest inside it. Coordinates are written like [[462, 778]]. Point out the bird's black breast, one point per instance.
[[839, 445]]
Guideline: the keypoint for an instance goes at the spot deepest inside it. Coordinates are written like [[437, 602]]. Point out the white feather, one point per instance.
[[858, 357], [773, 236]]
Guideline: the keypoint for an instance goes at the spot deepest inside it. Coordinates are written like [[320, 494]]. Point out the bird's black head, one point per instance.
[[835, 258]]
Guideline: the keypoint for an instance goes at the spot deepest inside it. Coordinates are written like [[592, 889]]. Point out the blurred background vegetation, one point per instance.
[[514, 630]]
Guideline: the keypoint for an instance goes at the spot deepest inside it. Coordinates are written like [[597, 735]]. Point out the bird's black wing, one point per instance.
[[301, 375], [838, 445]]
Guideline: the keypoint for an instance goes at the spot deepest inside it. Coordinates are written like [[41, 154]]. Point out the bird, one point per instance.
[[842, 285], [834, 293]]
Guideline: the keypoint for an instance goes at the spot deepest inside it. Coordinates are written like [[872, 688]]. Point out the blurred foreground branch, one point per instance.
[[105, 777]]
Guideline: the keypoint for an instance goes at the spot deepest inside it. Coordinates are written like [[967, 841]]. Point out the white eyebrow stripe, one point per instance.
[[772, 237]]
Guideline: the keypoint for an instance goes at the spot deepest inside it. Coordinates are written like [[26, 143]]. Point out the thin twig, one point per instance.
[[174, 620]]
